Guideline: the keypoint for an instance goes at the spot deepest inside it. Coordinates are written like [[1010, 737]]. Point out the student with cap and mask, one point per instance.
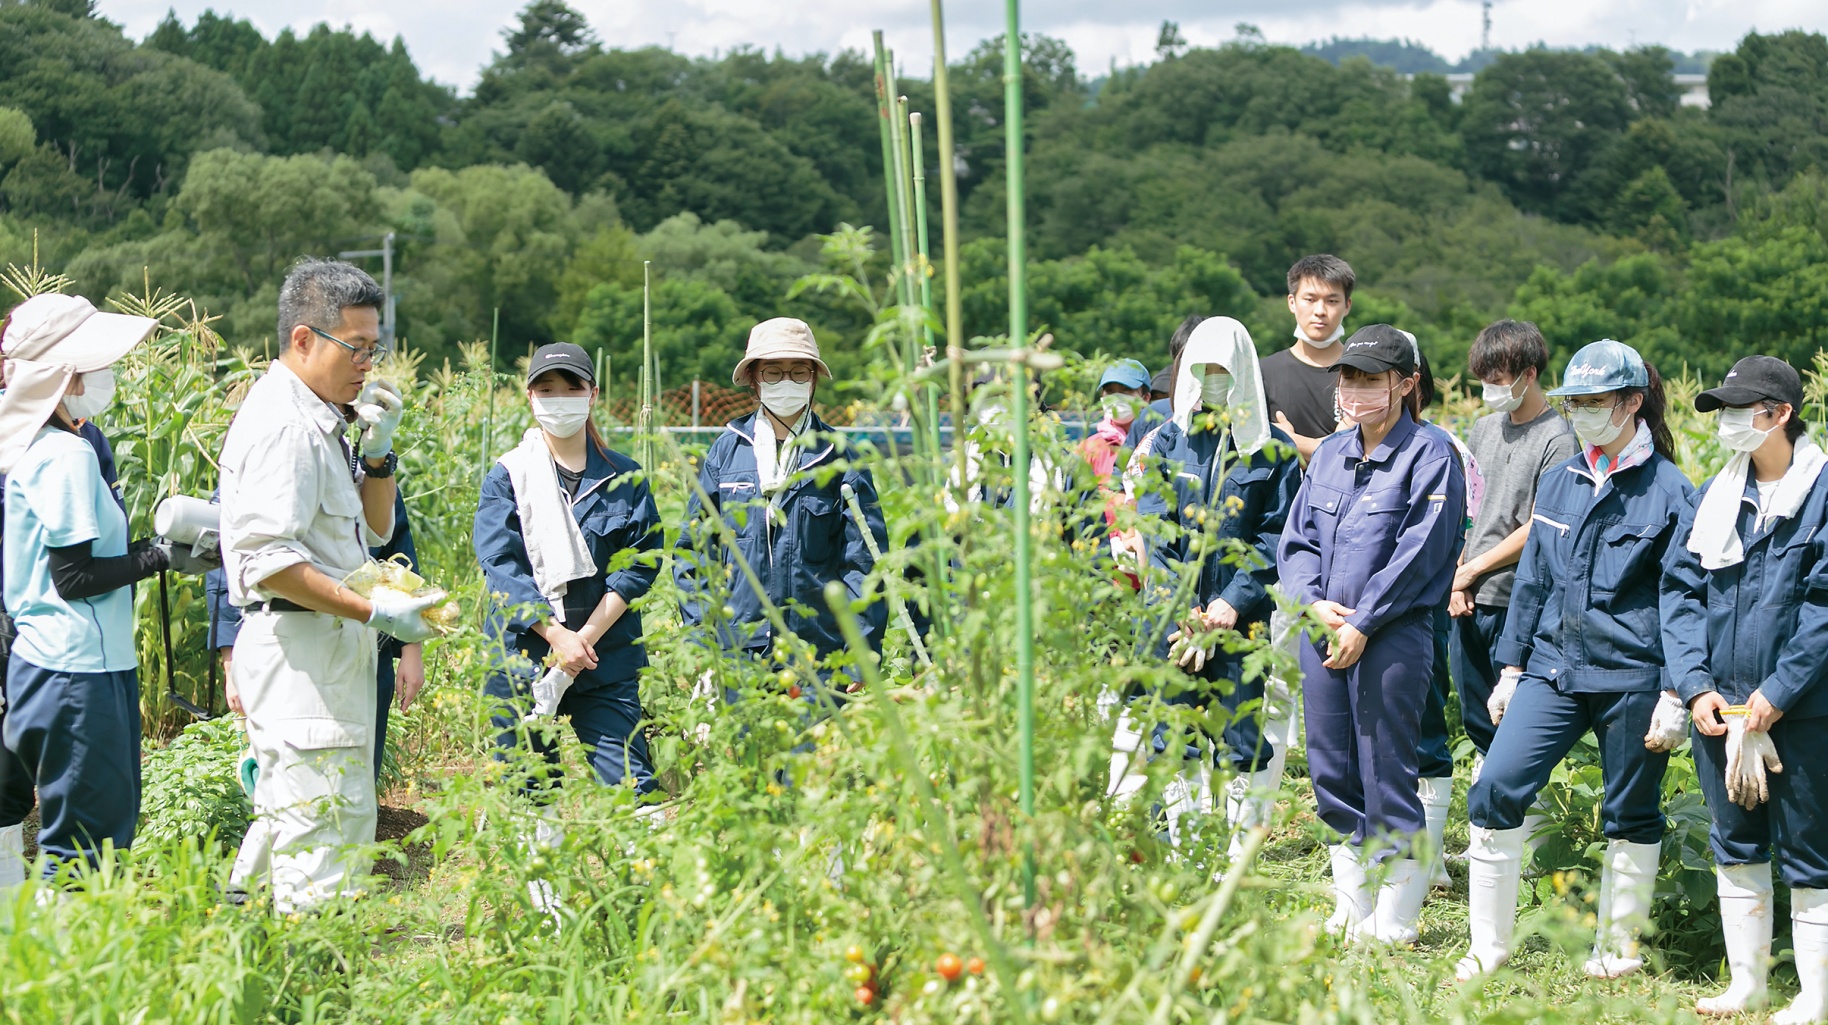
[[1583, 653], [776, 477], [1223, 481], [1123, 391], [567, 534], [1745, 633], [1369, 548], [72, 686]]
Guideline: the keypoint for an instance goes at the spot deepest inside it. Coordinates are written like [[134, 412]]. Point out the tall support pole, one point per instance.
[[488, 423], [1018, 410], [924, 267], [644, 420], [904, 256], [885, 118], [948, 204]]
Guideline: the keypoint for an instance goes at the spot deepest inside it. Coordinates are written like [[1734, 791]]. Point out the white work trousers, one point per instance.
[[307, 681]]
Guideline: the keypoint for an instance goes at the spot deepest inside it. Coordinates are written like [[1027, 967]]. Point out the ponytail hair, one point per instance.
[[1423, 394], [1654, 412]]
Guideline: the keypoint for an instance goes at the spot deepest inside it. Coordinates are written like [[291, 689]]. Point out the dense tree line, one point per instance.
[[1570, 186]]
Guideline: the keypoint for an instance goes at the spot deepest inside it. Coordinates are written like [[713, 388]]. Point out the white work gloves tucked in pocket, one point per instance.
[[1502, 693], [1668, 724], [548, 691], [1749, 756]]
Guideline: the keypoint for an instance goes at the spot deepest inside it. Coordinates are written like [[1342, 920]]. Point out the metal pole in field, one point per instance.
[[644, 420], [948, 204], [924, 268], [884, 105], [696, 404], [488, 423], [1018, 412]]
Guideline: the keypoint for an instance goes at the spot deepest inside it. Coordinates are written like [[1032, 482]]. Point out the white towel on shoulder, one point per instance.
[[556, 549], [1716, 535]]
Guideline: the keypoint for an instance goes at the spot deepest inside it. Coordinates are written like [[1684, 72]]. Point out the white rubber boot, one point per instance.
[[1745, 918], [1250, 801], [12, 856], [1627, 883], [1534, 821], [1494, 865], [1809, 934], [1352, 892], [1399, 903], [548, 834], [1437, 795], [1126, 761], [1188, 794]]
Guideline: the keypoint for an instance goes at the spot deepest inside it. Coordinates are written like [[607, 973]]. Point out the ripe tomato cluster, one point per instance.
[[862, 974]]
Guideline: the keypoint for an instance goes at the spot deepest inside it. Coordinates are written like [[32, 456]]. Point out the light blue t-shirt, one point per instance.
[[55, 497]]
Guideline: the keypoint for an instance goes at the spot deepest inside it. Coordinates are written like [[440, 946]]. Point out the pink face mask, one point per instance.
[[1364, 403]]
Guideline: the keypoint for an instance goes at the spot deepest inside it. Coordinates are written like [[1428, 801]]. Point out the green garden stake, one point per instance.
[[644, 418], [488, 422], [948, 203], [884, 118], [1018, 413]]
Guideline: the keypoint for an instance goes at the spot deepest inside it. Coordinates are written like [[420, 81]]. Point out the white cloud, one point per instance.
[[452, 39]]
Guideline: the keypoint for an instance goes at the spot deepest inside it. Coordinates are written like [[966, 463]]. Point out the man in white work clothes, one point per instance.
[[300, 507]]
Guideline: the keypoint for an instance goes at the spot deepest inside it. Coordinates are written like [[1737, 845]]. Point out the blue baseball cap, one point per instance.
[[1127, 372], [1603, 366]]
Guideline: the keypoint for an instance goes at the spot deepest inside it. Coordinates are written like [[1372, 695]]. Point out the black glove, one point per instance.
[[180, 558]]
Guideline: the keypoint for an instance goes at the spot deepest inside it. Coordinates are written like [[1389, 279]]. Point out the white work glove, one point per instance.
[[548, 690], [1668, 724], [1749, 755], [1186, 654], [1502, 693], [378, 408], [404, 618]]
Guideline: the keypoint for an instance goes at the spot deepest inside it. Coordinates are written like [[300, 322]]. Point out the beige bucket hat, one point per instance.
[[780, 338], [49, 340]]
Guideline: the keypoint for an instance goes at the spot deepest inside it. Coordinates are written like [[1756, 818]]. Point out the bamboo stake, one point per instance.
[[488, 422], [925, 271], [644, 427], [1018, 411], [888, 146], [948, 202]]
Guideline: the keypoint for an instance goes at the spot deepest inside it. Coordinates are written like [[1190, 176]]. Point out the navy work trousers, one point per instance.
[[1794, 821], [1364, 725], [1539, 729], [1470, 645], [606, 716], [1434, 755], [78, 737], [1240, 744]]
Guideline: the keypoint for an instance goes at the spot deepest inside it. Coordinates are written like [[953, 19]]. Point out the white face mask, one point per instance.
[[1215, 390], [1504, 398], [1594, 426], [561, 415], [1736, 430], [786, 398], [1325, 343], [1119, 407], [98, 392]]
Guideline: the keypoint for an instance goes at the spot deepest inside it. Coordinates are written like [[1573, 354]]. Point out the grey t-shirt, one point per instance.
[[1512, 458]]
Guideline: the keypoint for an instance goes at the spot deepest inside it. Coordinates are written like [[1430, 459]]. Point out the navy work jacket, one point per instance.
[[1378, 533], [1249, 503], [1761, 625], [805, 539], [1585, 613], [616, 514]]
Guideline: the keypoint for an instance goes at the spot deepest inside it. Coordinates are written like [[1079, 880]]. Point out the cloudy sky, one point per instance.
[[451, 39]]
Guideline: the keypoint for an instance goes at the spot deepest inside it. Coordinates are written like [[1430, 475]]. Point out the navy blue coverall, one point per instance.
[[797, 543], [1378, 533], [1586, 628], [226, 622], [1761, 625], [621, 527], [1249, 503]]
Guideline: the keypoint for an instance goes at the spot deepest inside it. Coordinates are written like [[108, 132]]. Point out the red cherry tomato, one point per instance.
[[793, 691], [949, 967], [865, 995], [975, 966]]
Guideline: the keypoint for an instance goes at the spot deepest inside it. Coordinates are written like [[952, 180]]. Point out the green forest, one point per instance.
[[1571, 188]]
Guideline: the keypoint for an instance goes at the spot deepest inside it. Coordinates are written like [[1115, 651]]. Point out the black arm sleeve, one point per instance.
[[77, 574]]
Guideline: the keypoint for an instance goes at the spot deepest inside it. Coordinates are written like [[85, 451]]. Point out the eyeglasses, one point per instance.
[[775, 375], [1588, 402], [372, 355]]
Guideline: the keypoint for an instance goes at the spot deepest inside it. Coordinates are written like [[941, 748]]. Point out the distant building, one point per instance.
[[1694, 87]]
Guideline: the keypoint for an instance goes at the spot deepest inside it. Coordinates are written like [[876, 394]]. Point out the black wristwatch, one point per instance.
[[385, 470]]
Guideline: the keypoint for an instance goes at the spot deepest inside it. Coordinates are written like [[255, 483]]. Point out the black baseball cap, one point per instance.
[[1377, 348], [561, 356], [1755, 379]]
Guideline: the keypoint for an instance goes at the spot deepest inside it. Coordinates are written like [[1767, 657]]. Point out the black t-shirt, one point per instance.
[[1301, 392], [569, 480]]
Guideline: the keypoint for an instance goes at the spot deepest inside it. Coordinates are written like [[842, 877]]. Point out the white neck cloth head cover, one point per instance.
[[49, 340], [1224, 341]]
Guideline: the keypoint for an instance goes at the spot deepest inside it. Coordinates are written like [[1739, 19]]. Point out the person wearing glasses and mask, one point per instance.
[[1369, 548], [776, 478], [300, 509], [1746, 636], [1583, 652]]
